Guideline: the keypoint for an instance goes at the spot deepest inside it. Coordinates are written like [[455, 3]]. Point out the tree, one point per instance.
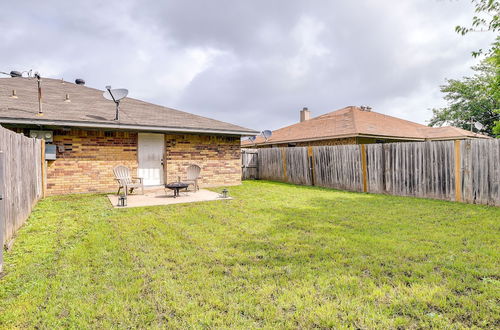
[[487, 18], [475, 98]]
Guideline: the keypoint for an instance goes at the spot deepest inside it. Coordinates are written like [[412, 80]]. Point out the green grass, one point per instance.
[[277, 255]]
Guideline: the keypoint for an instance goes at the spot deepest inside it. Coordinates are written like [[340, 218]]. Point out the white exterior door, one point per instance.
[[150, 154]]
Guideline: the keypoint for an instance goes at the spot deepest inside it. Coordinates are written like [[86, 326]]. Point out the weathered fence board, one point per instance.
[[2, 206], [481, 172], [424, 169], [21, 182], [249, 164], [375, 168], [338, 167], [467, 170], [298, 170], [271, 165]]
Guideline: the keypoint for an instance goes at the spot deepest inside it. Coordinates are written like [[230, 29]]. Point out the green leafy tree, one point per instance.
[[487, 18], [473, 98], [496, 89], [477, 97]]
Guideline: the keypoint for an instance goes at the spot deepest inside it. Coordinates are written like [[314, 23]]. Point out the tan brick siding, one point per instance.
[[329, 142], [87, 158], [218, 156]]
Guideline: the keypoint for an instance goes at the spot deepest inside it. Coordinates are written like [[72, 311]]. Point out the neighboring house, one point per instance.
[[78, 124], [355, 125]]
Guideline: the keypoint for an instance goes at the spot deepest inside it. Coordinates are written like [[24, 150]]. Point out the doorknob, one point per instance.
[[161, 162]]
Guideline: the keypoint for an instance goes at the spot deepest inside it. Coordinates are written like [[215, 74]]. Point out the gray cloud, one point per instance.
[[253, 63]]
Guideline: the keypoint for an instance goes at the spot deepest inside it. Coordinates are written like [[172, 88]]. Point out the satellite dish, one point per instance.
[[115, 94], [252, 138], [267, 134], [478, 126]]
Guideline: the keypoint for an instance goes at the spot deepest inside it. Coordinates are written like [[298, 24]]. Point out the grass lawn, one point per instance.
[[277, 255]]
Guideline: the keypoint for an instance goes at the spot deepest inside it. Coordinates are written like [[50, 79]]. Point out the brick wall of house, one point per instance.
[[218, 156], [330, 142], [86, 160]]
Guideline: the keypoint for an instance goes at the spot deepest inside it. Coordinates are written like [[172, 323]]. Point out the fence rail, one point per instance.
[[461, 170], [21, 172]]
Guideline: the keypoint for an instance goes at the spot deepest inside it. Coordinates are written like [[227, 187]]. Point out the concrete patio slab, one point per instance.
[[158, 196]]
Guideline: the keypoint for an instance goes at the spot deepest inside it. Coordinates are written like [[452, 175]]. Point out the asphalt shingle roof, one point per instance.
[[353, 121], [88, 108]]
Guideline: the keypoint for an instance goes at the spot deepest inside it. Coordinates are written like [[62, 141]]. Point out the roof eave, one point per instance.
[[461, 137], [124, 126], [393, 137], [340, 137]]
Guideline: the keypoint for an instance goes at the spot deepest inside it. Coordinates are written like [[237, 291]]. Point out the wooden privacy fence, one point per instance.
[[461, 170], [249, 169], [21, 167]]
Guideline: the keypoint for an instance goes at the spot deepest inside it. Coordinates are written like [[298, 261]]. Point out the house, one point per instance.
[[84, 142], [355, 125]]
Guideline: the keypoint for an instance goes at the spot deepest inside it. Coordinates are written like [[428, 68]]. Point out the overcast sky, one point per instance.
[[255, 63]]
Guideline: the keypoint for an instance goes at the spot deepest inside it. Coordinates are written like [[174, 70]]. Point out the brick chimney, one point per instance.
[[305, 114]]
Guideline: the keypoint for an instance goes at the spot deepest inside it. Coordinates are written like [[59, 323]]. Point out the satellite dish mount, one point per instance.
[[115, 95], [266, 134]]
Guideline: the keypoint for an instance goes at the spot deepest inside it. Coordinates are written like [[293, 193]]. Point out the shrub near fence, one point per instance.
[[462, 170], [21, 162]]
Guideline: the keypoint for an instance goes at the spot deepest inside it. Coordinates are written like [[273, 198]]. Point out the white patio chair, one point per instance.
[[193, 174], [126, 181]]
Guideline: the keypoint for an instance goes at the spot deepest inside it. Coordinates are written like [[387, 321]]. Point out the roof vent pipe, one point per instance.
[[14, 94], [39, 83], [66, 99], [80, 81]]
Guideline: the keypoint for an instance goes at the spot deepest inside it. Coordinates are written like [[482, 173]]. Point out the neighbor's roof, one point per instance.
[[88, 108], [353, 121]]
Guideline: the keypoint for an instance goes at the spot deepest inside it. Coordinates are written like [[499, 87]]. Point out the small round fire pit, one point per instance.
[[176, 186]]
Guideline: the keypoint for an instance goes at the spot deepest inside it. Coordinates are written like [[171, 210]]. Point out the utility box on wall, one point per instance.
[[50, 152]]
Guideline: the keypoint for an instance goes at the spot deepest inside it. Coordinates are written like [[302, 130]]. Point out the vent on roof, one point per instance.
[[15, 74], [366, 108], [79, 81]]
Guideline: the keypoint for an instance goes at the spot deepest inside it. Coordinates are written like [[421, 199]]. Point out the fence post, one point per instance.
[[363, 168], [257, 174], [243, 164], [42, 159], [2, 210], [283, 157], [458, 172], [310, 155]]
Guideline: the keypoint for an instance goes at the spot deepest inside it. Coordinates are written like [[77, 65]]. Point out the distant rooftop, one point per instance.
[[356, 121], [68, 104]]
